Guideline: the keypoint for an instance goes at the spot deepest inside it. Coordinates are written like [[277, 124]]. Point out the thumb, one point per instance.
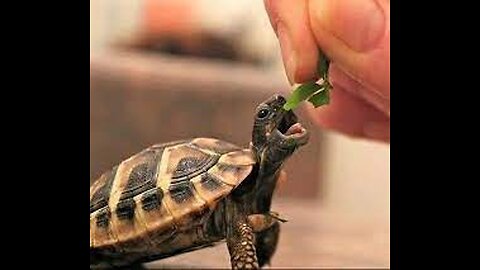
[[355, 34]]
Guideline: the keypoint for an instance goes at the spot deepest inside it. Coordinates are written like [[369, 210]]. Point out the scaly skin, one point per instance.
[[241, 245]]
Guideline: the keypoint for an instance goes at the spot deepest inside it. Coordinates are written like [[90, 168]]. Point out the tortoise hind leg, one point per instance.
[[240, 242]]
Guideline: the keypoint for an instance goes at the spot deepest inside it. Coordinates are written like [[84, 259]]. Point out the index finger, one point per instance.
[[290, 21]]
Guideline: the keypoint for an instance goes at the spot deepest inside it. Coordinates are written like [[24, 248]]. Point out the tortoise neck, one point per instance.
[[263, 180], [259, 139], [265, 187]]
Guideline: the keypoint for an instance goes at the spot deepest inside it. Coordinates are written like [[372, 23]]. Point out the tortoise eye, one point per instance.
[[262, 113]]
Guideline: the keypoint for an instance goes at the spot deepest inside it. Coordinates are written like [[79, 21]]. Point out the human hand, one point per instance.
[[355, 35]]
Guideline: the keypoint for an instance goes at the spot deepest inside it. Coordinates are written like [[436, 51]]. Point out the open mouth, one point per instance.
[[295, 130], [289, 127]]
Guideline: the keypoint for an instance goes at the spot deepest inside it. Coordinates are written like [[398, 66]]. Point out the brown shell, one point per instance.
[[166, 188]]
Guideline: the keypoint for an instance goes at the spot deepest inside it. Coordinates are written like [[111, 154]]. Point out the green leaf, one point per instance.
[[300, 94], [320, 98], [309, 90], [323, 65]]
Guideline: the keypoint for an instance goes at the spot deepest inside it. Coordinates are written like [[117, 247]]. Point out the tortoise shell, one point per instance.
[[165, 189]]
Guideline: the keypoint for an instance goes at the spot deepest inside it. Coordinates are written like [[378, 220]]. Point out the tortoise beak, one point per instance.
[[289, 127]]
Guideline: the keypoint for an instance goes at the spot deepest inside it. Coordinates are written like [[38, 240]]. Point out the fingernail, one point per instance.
[[358, 23], [288, 55], [377, 130]]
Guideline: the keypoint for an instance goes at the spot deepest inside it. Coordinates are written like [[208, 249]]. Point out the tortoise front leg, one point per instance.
[[241, 246], [266, 243], [267, 230]]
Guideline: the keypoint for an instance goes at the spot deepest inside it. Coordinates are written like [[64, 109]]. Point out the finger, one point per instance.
[[355, 34], [289, 19], [339, 78], [352, 116]]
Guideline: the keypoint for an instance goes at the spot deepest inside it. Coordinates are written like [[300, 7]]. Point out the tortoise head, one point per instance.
[[276, 132]]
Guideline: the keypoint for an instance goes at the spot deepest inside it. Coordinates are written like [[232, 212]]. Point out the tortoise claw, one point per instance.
[[276, 216]]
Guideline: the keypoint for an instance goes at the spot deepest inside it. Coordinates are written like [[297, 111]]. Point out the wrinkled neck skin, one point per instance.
[[254, 195], [271, 153], [271, 160]]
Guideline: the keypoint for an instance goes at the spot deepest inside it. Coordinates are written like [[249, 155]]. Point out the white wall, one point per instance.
[[357, 177], [112, 20]]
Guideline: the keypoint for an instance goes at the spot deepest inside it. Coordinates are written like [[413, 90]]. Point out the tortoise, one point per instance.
[[180, 196]]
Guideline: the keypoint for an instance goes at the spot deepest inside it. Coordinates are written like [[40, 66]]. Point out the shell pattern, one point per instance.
[[162, 191]]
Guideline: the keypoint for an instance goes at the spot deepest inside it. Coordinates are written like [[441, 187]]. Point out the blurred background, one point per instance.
[[162, 70]]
